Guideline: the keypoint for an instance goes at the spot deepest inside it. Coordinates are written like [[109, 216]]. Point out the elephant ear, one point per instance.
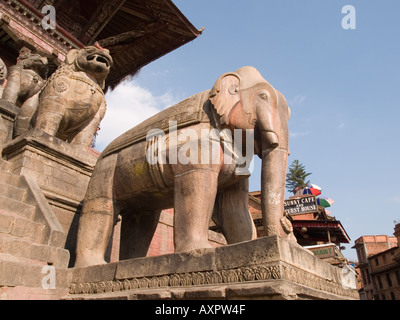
[[284, 113], [225, 95]]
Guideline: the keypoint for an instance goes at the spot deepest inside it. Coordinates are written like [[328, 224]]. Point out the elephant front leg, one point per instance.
[[195, 193], [232, 214], [273, 194]]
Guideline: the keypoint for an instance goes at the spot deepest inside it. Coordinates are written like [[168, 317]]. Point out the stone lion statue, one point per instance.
[[25, 79], [72, 103], [3, 81], [3, 77]]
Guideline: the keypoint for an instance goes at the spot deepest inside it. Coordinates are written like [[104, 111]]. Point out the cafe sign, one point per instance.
[[301, 205]]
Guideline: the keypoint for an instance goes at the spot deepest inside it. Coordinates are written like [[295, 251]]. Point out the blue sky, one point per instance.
[[342, 87]]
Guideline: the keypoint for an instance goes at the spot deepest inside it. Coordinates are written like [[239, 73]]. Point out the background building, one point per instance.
[[385, 272], [313, 227], [379, 260]]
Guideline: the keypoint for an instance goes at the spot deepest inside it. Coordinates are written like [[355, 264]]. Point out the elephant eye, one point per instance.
[[233, 90], [264, 96]]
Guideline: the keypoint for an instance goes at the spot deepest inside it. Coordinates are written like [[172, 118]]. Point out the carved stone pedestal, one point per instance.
[[267, 268], [61, 171]]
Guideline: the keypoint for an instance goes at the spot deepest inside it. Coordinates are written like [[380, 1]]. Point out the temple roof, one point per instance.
[[317, 230], [136, 32]]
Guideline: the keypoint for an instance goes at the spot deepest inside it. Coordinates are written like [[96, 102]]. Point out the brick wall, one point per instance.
[[378, 243], [397, 232], [163, 240]]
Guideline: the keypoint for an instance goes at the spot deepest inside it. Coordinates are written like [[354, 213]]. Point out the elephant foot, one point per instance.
[[292, 238], [192, 248], [88, 262]]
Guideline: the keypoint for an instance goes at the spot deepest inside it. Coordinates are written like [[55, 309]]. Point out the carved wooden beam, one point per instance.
[[104, 13], [130, 36]]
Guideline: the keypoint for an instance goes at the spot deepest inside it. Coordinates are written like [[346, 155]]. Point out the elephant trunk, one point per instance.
[[273, 181]]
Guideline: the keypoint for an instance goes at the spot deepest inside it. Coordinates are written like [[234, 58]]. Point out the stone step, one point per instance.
[[21, 293], [36, 253], [6, 257], [21, 196], [14, 226], [22, 273], [5, 165], [19, 208], [12, 192], [9, 178]]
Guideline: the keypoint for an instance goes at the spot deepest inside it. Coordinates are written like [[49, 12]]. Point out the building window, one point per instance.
[[398, 277], [389, 280], [384, 258], [376, 261], [368, 277], [383, 297], [379, 282], [362, 255], [364, 278], [392, 296]]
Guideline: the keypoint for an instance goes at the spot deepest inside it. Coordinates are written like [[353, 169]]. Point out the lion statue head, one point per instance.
[[34, 62], [3, 71], [94, 61]]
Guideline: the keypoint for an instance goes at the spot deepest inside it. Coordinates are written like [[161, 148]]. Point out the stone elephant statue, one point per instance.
[[72, 103], [200, 186], [26, 79]]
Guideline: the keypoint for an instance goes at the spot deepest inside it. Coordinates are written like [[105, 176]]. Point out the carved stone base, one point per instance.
[[61, 171], [267, 268]]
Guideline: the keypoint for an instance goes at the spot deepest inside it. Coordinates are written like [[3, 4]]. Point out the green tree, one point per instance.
[[296, 177]]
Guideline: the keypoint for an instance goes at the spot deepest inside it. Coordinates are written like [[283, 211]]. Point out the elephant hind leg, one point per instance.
[[98, 216], [232, 216], [195, 193], [137, 231], [95, 229]]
